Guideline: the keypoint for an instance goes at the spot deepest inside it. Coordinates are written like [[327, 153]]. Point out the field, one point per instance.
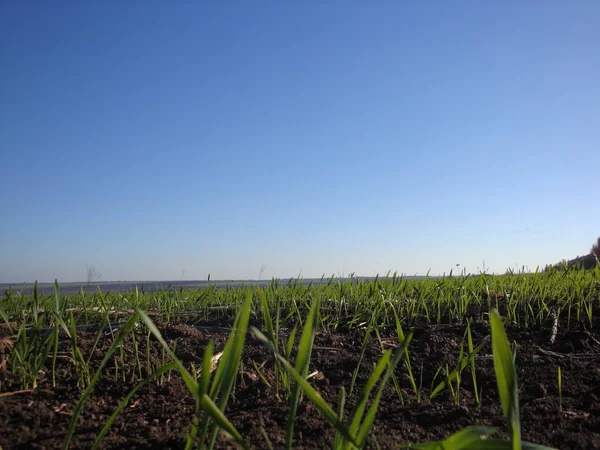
[[509, 361]]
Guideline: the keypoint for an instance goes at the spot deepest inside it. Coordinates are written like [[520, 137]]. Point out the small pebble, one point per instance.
[[463, 410]]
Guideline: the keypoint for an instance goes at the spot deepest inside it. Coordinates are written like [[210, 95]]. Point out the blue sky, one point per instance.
[[165, 140]]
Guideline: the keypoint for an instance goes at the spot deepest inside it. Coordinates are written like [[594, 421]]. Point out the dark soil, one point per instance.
[[160, 414]]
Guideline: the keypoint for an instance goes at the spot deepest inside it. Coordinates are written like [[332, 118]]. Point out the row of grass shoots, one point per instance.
[[354, 303]]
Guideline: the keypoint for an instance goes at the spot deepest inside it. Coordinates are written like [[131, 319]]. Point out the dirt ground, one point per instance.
[[159, 416]]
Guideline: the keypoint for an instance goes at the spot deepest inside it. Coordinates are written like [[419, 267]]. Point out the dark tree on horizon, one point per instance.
[[596, 249]]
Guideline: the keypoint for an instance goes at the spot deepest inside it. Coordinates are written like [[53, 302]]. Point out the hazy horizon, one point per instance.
[[159, 140], [455, 271]]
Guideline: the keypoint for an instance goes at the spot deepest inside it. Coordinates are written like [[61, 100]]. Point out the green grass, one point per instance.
[[394, 303]]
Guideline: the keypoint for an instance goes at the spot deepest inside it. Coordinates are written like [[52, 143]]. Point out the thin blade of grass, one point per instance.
[[461, 440], [360, 358], [338, 439], [162, 370], [203, 386], [302, 362], [187, 377], [232, 355], [458, 369], [79, 406], [310, 392], [206, 402], [365, 428], [400, 334], [506, 378], [358, 410]]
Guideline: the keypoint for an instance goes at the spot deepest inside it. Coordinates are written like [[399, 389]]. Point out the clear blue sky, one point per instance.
[[153, 138]]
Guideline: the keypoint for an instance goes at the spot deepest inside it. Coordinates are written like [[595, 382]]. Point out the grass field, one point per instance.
[[458, 362]]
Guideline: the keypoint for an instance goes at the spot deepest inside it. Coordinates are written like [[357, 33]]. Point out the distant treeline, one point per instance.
[[588, 261]]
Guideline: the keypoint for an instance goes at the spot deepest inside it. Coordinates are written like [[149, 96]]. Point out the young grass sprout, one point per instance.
[[273, 336]]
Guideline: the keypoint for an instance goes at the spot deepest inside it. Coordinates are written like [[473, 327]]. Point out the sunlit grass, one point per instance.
[[291, 315]]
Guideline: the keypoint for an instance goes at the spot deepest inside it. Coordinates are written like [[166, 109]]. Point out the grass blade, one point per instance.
[[310, 392], [302, 362], [79, 406], [164, 369], [506, 378], [206, 402], [463, 362], [370, 417]]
